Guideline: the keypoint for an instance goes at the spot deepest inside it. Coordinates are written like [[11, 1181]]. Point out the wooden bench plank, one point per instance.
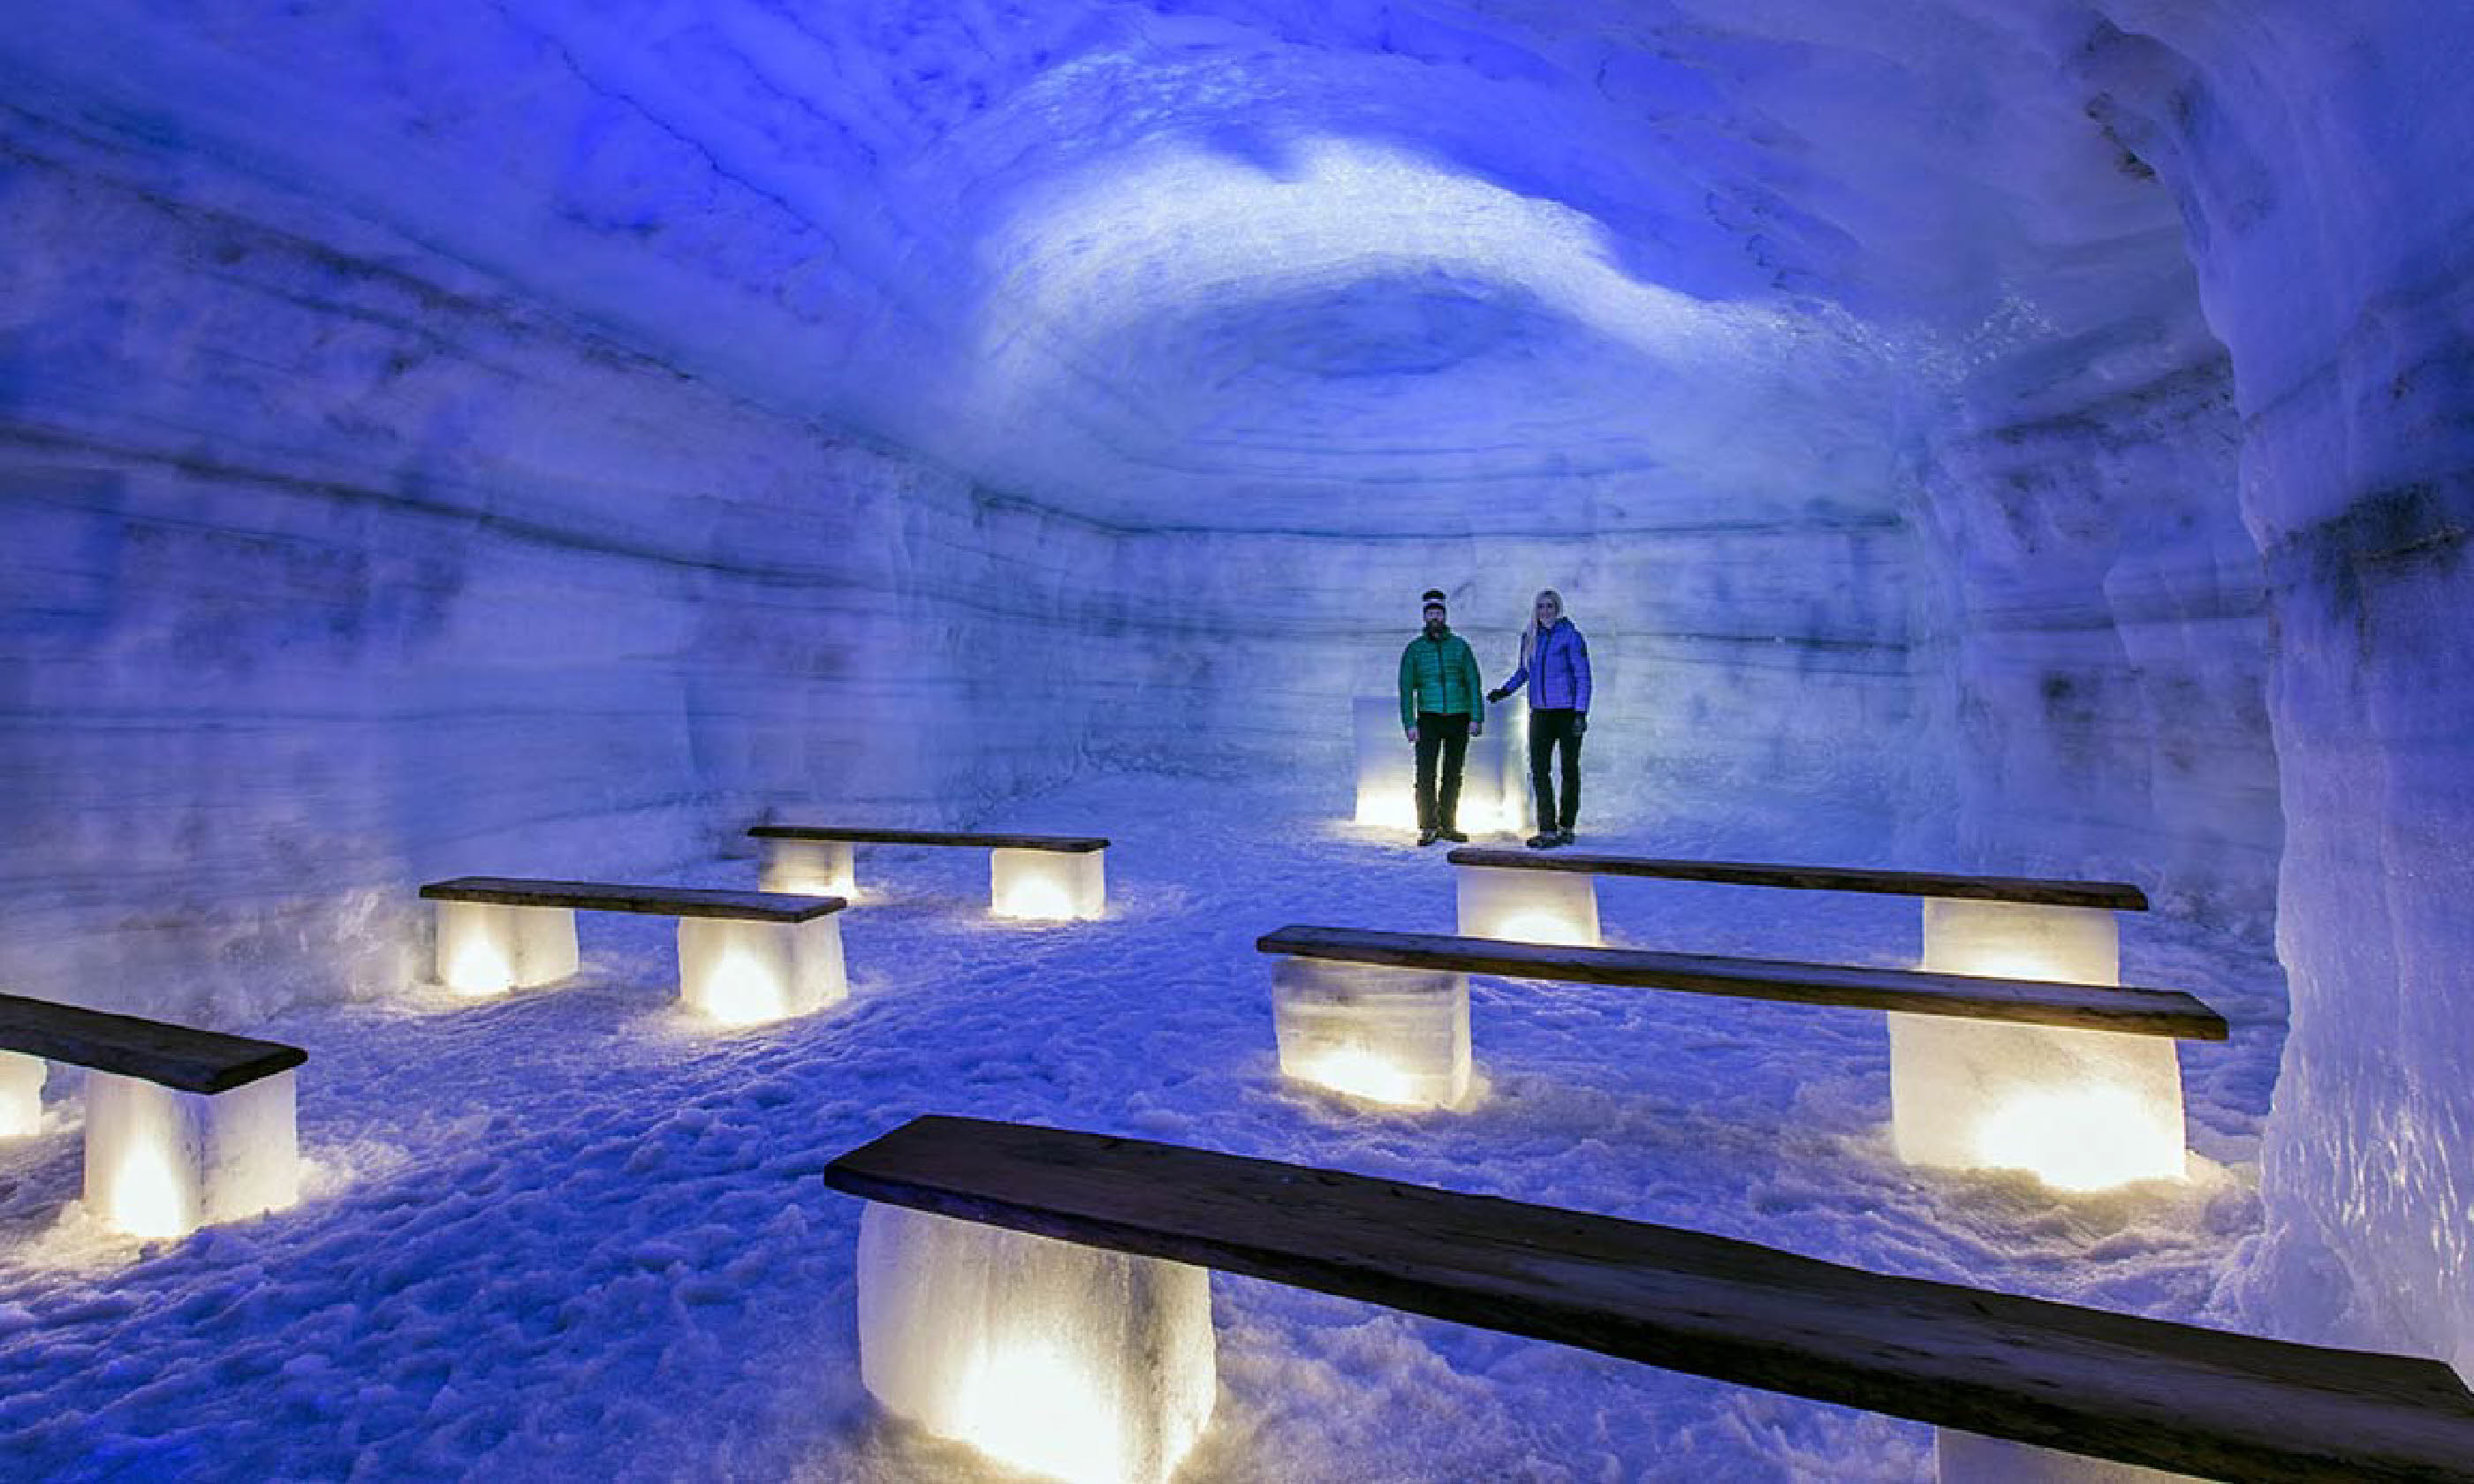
[[1075, 844], [179, 1057], [2096, 1007], [678, 901], [2114, 1386], [2117, 896]]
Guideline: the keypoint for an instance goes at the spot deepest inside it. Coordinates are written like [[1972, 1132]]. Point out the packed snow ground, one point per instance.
[[575, 1235]]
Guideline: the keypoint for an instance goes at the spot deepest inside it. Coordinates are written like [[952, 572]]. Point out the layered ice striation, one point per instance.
[[530, 437]]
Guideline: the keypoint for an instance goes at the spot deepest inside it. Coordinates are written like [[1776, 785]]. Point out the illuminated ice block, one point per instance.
[[1056, 1359], [1398, 1036], [1054, 884], [1492, 801], [487, 949], [1529, 906], [21, 1094], [1968, 1458], [2083, 1109], [811, 868], [160, 1162], [742, 972]]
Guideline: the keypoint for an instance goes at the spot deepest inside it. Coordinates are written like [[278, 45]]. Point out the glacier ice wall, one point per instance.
[[2319, 158], [334, 569]]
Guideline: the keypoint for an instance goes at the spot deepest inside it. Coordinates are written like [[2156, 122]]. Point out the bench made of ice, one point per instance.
[[2079, 1081], [1054, 877], [182, 1126], [744, 957], [989, 1240]]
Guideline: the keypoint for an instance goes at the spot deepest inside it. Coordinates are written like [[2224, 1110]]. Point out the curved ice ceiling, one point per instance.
[[1354, 266]]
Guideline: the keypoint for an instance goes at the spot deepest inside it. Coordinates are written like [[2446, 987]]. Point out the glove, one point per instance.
[[1581, 725], [1495, 697]]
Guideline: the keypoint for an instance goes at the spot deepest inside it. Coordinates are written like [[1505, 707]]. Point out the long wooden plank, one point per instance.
[[2117, 896], [2095, 1007], [1073, 844], [180, 1057], [677, 901], [2114, 1386]]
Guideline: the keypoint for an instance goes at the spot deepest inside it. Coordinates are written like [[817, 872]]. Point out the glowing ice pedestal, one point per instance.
[[811, 868], [1492, 800], [1053, 1359], [486, 948], [742, 972], [160, 1162], [1387, 1035], [1529, 906], [1967, 1458], [2082, 1109], [21, 1094], [1053, 884]]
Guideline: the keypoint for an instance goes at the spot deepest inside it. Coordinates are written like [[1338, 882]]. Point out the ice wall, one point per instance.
[[333, 568], [2319, 156]]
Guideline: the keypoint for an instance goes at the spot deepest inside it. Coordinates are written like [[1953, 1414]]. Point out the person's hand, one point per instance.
[[1581, 725], [1478, 726], [1495, 697], [1413, 733]]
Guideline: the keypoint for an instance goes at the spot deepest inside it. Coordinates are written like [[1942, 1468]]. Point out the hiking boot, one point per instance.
[[1545, 840], [1563, 837], [1453, 835], [1426, 837]]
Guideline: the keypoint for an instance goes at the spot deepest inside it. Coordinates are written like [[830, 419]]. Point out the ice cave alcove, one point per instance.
[[541, 439]]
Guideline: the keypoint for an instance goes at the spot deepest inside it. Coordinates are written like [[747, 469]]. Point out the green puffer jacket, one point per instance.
[[1438, 674]]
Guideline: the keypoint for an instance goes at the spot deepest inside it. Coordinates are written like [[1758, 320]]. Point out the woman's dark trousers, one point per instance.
[[1549, 727], [1439, 808]]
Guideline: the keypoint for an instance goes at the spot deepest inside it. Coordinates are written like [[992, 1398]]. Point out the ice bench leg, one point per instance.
[[1063, 885], [2083, 1109], [1387, 1035], [160, 1162], [487, 949], [1049, 1358], [811, 868], [742, 972], [1529, 906]]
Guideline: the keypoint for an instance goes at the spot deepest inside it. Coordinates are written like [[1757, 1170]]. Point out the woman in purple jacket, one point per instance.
[[1555, 665]]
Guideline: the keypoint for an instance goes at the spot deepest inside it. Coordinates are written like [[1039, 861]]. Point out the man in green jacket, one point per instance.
[[1439, 709]]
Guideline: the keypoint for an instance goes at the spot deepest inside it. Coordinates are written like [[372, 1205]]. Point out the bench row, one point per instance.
[[998, 1254]]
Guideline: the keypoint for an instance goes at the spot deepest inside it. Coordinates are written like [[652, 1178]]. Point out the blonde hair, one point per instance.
[[1529, 635]]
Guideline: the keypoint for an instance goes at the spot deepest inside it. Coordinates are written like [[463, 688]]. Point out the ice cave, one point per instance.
[[541, 440]]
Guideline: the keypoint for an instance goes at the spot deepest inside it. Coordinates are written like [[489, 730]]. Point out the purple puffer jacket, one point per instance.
[[1561, 669]]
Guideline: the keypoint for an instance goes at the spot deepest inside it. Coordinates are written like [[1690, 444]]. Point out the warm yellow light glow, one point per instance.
[[1993, 963], [482, 965], [1031, 897], [1386, 809], [148, 1198], [2082, 1139], [1393, 809], [1359, 1072], [1544, 928], [811, 884], [1031, 1406], [741, 990]]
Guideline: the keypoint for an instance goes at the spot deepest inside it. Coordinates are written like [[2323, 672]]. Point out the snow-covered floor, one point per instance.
[[573, 1234]]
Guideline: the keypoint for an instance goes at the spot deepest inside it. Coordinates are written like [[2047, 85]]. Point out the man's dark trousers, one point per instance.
[[1447, 734], [1549, 726]]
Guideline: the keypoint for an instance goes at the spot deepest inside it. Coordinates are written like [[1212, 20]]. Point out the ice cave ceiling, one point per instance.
[[1535, 265]]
